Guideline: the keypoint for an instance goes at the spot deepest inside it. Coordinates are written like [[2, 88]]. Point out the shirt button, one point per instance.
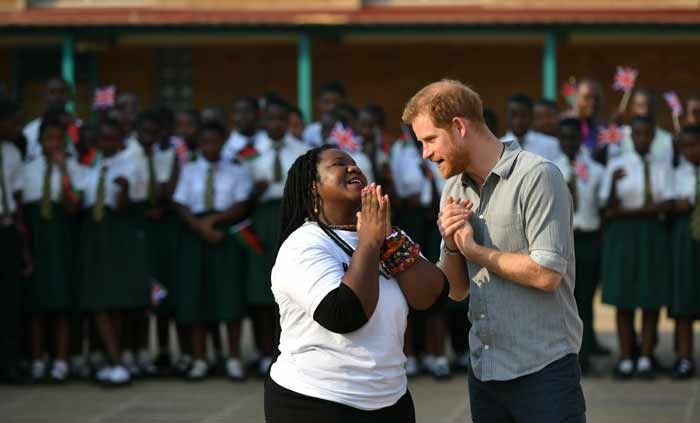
[[486, 347], [481, 216], [482, 317]]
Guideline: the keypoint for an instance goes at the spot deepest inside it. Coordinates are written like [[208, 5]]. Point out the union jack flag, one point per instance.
[[105, 97], [581, 170], [625, 78], [158, 293], [674, 103], [611, 135], [345, 138]]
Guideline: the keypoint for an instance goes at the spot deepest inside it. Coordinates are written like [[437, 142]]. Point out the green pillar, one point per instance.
[[549, 66], [68, 66], [304, 75]]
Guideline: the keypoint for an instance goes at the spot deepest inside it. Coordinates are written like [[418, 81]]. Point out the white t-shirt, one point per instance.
[[363, 369]]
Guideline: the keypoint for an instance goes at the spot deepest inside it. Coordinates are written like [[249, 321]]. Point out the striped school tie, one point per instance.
[[695, 216], [277, 146], [5, 201], [209, 190], [648, 199], [46, 205], [98, 210], [573, 188], [152, 182]]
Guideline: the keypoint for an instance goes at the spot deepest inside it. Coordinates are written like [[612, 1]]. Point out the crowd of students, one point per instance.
[[136, 214]]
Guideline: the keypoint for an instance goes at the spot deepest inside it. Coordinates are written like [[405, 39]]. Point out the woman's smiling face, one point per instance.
[[340, 180]]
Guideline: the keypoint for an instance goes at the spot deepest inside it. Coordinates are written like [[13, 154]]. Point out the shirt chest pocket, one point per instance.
[[505, 232]]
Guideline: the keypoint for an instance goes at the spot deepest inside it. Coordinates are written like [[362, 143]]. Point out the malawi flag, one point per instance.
[[248, 152], [243, 232]]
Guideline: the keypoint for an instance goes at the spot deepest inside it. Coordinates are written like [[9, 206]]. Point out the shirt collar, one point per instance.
[[504, 166]]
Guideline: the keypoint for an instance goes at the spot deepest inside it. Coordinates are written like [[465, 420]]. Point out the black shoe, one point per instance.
[[623, 373], [646, 373], [683, 369]]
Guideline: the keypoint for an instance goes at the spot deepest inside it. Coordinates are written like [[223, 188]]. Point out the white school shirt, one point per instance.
[[538, 143], [262, 168], [232, 184], [661, 147], [163, 160], [235, 143], [312, 134], [630, 189], [363, 369], [405, 164], [587, 213], [11, 174], [34, 150], [426, 193], [685, 178], [33, 175], [119, 165]]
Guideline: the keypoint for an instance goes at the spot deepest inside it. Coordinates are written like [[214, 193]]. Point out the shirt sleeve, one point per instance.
[[605, 185], [340, 311], [307, 273], [548, 217], [16, 173]]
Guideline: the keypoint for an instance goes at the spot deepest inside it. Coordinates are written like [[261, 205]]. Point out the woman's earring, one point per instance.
[[316, 206]]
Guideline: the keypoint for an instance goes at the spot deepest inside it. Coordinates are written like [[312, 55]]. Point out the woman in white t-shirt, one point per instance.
[[344, 281]]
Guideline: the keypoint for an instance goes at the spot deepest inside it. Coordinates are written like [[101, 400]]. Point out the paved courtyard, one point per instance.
[[217, 400]]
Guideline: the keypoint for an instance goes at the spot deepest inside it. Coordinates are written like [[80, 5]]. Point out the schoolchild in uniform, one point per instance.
[[684, 303], [583, 176], [273, 153], [245, 127], [51, 202], [331, 94], [212, 193], [16, 259], [637, 191], [114, 278]]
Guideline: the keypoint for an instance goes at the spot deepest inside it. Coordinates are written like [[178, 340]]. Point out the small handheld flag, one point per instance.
[[674, 102], [105, 97], [158, 293], [568, 91], [345, 138], [625, 77], [612, 135]]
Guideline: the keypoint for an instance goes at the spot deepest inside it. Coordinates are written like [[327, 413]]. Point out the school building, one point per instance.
[[194, 53]]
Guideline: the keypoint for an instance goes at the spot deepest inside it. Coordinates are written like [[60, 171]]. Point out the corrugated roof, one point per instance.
[[369, 15]]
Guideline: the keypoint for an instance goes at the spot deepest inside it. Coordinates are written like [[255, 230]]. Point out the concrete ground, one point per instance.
[[216, 400]]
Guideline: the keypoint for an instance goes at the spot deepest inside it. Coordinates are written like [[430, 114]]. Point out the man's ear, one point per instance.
[[461, 126]]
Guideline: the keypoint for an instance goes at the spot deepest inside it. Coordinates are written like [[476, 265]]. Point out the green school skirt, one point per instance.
[[209, 279], [162, 237], [636, 263], [114, 261], [53, 248], [685, 275], [266, 223]]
